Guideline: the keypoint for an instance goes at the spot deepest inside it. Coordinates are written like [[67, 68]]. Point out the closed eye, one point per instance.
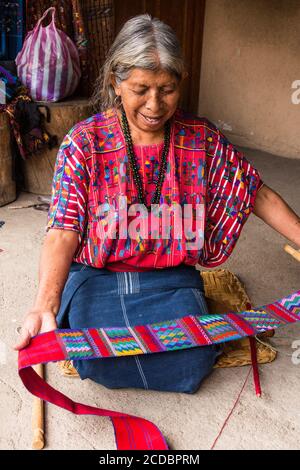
[[139, 93], [167, 92], [162, 91]]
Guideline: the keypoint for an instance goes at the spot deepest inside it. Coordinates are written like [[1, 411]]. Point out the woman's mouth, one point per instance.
[[152, 120]]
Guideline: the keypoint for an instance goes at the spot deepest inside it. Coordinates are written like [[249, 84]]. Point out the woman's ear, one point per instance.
[[114, 85]]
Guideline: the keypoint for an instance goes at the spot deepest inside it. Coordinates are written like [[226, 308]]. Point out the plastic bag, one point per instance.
[[48, 63]]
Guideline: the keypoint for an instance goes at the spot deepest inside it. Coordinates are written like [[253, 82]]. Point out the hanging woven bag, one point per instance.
[[48, 63]]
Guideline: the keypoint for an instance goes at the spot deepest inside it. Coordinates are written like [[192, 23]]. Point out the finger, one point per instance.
[[24, 340], [27, 332]]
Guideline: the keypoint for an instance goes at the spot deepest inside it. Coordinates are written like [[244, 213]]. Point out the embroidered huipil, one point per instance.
[[92, 171]]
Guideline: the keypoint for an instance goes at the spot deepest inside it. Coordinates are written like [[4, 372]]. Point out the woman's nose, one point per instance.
[[153, 102]]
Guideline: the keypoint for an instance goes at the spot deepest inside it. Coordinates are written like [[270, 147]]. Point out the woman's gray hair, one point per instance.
[[143, 42]]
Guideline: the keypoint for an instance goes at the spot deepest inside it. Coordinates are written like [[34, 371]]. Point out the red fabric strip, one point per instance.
[[279, 311], [255, 366], [104, 350], [148, 338], [132, 433], [43, 348], [248, 330], [196, 331]]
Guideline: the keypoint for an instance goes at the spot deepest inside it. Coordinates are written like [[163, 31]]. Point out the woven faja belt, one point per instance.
[[131, 432]]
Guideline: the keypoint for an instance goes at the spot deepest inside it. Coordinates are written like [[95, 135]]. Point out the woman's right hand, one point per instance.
[[35, 322]]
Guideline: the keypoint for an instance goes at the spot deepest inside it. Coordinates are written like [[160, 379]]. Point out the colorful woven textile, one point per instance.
[[204, 168], [132, 432]]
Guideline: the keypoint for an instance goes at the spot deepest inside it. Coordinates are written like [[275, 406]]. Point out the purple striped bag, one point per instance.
[[48, 63]]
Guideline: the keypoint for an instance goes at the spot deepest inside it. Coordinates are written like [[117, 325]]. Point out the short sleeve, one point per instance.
[[69, 188], [232, 186]]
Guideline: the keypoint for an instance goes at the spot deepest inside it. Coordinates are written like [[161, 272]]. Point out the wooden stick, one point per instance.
[[293, 252], [38, 441], [25, 206]]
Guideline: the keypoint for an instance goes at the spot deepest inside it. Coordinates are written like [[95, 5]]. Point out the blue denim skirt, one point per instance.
[[100, 298]]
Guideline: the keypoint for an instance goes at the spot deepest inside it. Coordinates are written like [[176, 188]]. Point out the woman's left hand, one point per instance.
[[272, 209]]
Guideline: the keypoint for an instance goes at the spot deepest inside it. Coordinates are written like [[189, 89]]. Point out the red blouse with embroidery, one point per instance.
[[204, 168]]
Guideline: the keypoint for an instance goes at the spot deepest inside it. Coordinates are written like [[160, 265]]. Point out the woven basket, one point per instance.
[[223, 292]]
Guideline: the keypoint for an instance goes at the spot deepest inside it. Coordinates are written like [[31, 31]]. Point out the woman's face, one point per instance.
[[149, 99]]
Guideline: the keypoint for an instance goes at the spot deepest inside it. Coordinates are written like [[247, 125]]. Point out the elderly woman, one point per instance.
[[105, 261]]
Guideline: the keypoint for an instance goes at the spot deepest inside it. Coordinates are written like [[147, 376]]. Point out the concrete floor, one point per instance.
[[187, 421]]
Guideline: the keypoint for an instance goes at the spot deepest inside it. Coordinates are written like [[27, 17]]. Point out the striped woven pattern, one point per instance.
[[186, 332]]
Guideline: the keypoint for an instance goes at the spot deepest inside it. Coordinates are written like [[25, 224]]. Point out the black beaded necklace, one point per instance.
[[133, 163]]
